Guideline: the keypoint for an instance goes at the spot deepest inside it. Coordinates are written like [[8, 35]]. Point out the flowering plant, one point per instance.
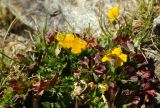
[[113, 13], [66, 70]]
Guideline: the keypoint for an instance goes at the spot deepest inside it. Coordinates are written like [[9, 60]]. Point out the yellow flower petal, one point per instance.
[[77, 40], [117, 51], [113, 13], [60, 43], [78, 45], [69, 38], [106, 58], [76, 50], [103, 87], [123, 57], [83, 44], [67, 42], [60, 37]]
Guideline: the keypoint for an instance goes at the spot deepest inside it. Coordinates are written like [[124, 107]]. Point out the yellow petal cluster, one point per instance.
[[116, 55], [70, 41], [113, 13], [103, 87]]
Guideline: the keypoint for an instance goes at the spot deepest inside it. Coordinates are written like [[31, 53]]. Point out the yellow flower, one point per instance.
[[70, 41], [113, 13], [117, 51], [67, 42], [123, 57], [118, 57], [78, 45]]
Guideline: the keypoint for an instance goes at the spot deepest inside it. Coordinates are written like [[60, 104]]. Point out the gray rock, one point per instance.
[[63, 15], [156, 26], [13, 43]]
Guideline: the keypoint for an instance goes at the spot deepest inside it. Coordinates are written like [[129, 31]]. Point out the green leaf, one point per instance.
[[46, 104], [96, 79]]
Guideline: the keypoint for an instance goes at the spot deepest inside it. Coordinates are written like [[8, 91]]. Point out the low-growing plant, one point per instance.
[[65, 70]]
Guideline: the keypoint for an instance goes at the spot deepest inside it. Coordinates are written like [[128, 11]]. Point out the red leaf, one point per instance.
[[128, 92], [13, 81], [97, 58], [126, 42], [92, 42], [133, 78], [100, 69], [146, 74], [146, 86], [139, 58], [130, 69], [17, 88], [50, 37], [43, 85], [85, 61], [150, 92]]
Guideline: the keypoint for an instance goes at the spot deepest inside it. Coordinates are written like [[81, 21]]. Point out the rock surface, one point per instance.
[[156, 26], [66, 15], [13, 43]]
